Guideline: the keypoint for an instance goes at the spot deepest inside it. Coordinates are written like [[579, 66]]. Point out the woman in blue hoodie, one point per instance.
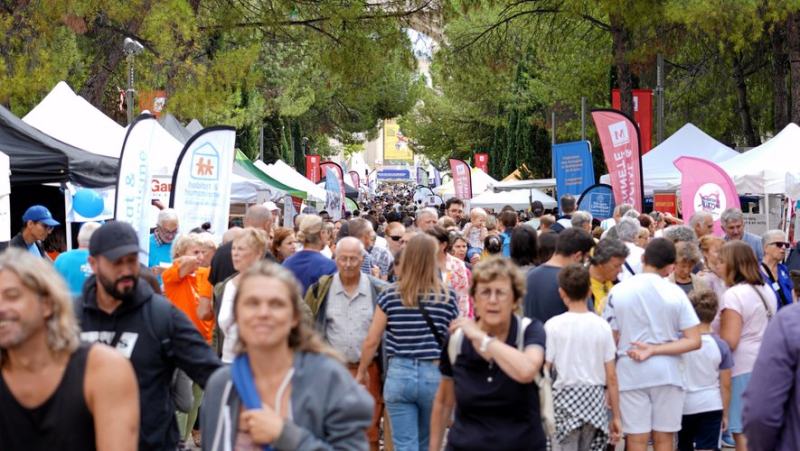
[[286, 389]]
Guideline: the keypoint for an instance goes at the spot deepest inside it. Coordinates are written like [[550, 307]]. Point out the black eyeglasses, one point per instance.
[[782, 244], [395, 238]]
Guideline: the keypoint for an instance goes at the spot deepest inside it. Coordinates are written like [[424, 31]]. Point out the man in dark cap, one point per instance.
[[39, 224], [537, 209]]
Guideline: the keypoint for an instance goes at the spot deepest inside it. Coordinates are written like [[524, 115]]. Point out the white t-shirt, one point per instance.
[[701, 369], [227, 324], [647, 308], [744, 300], [634, 260], [381, 242], [579, 345]]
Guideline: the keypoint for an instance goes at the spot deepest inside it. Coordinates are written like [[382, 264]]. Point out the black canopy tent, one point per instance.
[[37, 158]]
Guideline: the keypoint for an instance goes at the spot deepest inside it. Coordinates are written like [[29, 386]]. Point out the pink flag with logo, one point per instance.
[[705, 187], [462, 178], [355, 178], [619, 137]]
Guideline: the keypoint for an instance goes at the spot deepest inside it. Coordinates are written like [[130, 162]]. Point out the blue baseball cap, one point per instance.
[[39, 213]]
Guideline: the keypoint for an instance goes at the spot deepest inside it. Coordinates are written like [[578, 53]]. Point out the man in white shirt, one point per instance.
[[648, 314], [627, 230]]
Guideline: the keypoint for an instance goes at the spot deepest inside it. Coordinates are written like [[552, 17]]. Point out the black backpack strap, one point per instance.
[[628, 267], [160, 310]]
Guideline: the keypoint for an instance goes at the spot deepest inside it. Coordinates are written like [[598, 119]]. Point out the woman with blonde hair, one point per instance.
[[283, 244], [709, 249], [415, 314], [748, 305], [249, 247], [286, 388], [186, 286]]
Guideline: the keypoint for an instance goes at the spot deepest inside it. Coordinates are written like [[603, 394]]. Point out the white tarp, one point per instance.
[[518, 198], [480, 183], [285, 174], [514, 185], [5, 195], [763, 170], [69, 118], [657, 168]]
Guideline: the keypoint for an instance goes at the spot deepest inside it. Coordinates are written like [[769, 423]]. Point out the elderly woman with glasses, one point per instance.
[[775, 273], [488, 366]]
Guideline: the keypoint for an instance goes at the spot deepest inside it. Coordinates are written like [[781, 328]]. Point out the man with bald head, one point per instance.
[[257, 217], [342, 305]]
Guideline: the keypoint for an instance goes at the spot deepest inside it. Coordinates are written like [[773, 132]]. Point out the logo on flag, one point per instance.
[[619, 133], [205, 163], [460, 170], [710, 198]]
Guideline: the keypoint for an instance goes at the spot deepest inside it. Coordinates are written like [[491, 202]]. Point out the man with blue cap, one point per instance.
[[39, 224]]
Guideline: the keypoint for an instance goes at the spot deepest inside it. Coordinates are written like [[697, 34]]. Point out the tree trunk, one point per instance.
[[780, 63], [793, 35], [741, 102], [623, 67]]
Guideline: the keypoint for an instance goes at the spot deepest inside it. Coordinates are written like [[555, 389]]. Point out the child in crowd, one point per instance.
[[707, 380], [580, 347], [475, 231]]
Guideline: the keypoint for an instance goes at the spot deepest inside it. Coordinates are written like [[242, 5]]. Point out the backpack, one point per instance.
[[158, 317], [543, 380]]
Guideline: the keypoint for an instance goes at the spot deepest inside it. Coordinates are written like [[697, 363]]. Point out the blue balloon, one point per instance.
[[88, 203]]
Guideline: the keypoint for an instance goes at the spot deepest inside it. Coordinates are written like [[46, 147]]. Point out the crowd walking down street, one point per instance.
[[405, 327]]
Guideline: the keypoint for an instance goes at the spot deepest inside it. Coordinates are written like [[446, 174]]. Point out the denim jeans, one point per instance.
[[408, 392]]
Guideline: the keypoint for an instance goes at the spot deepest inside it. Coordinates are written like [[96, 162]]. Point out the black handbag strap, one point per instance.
[[432, 326]]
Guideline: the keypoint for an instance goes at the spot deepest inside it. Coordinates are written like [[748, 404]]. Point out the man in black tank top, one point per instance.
[[56, 393]]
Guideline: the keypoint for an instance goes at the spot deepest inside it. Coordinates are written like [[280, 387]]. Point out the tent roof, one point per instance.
[[194, 126], [764, 168], [658, 170], [38, 158], [520, 199], [175, 128], [522, 184], [288, 176], [68, 117], [480, 183], [246, 167]]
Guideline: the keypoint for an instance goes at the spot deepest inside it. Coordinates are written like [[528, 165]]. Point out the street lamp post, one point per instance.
[[131, 47]]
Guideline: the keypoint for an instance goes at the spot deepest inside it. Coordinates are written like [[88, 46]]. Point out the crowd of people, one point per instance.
[[402, 326]]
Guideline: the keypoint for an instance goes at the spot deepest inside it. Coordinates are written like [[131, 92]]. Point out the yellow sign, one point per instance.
[[395, 144]]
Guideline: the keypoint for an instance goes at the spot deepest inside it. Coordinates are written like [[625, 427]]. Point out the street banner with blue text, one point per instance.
[[132, 203], [574, 169], [706, 187], [619, 137], [598, 200], [201, 184], [437, 178]]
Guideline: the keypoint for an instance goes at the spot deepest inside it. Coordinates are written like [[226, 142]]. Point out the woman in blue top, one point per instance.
[[775, 273], [415, 313]]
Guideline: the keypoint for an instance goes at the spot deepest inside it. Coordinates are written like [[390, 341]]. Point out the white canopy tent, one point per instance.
[[658, 170], [5, 194], [520, 199], [69, 118], [764, 170], [287, 175], [480, 183], [514, 185]]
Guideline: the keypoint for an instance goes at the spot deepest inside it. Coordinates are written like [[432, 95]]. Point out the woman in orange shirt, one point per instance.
[[185, 284]]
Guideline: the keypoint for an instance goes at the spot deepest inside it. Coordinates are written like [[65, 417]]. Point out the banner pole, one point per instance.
[[583, 118], [660, 98], [552, 152]]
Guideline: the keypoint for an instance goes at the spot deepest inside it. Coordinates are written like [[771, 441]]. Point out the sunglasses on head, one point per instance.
[[782, 244], [395, 238]]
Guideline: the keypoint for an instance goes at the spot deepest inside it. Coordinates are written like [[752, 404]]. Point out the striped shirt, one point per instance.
[[407, 333]]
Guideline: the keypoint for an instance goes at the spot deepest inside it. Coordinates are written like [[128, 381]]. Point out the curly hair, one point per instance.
[[494, 268]]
